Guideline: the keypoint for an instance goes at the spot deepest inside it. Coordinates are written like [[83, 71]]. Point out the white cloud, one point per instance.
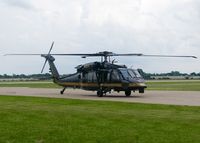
[[19, 4], [140, 26]]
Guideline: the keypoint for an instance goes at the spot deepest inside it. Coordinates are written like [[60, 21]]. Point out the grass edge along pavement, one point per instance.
[[173, 85], [47, 120]]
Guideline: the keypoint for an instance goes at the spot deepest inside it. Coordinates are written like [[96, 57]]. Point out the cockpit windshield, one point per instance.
[[125, 73], [134, 73], [129, 73]]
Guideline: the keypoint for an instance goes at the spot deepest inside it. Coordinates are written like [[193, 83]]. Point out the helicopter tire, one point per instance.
[[100, 93], [128, 93]]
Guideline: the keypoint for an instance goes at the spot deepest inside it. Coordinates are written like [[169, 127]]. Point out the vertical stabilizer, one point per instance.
[[52, 66]]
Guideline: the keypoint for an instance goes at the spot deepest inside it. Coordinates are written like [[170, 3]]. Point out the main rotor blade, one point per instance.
[[31, 54], [52, 54], [170, 56], [94, 55], [107, 54], [133, 54], [22, 54]]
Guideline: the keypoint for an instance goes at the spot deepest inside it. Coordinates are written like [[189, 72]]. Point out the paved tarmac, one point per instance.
[[191, 98]]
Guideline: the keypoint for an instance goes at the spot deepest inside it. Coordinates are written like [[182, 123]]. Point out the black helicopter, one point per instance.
[[103, 77]]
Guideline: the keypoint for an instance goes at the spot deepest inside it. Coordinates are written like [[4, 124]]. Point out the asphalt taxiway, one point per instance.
[[190, 98]]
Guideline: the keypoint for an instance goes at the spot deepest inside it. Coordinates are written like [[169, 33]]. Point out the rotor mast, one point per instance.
[[105, 55]]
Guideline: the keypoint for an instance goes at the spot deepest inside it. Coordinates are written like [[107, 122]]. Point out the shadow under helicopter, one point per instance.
[[108, 96]]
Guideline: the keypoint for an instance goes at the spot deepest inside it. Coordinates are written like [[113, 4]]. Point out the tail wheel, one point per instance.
[[99, 93], [128, 93], [62, 91]]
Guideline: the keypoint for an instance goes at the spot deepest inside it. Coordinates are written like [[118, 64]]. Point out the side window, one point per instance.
[[94, 77], [85, 76], [90, 76], [115, 75]]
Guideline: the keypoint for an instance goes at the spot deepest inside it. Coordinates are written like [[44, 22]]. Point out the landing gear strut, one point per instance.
[[99, 93], [128, 93], [62, 91]]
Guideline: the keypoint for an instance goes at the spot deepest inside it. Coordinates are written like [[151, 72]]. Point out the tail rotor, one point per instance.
[[46, 56]]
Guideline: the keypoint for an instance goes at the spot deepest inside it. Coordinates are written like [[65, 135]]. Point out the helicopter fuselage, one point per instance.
[[104, 77]]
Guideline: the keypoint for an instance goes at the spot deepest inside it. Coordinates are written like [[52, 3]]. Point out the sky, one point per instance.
[[166, 27]]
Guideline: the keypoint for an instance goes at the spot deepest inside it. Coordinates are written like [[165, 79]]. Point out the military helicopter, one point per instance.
[[103, 77]]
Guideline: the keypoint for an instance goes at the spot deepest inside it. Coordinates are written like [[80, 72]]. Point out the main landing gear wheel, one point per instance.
[[100, 93], [128, 93]]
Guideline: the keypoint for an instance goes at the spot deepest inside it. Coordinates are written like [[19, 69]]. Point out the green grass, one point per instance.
[[31, 84], [46, 120], [175, 85]]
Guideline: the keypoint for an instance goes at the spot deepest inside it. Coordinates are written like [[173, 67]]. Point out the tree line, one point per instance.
[[172, 73], [47, 76]]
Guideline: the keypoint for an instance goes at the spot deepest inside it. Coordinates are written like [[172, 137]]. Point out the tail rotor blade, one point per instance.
[[51, 48], [46, 57], [44, 66]]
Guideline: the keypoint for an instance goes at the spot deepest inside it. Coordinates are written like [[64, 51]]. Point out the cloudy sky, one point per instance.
[[89, 26]]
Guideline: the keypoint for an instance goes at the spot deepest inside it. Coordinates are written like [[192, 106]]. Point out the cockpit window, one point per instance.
[[137, 73], [134, 73], [125, 73], [129, 73]]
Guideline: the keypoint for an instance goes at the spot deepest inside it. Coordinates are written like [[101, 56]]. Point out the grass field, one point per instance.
[[46, 120], [176, 85], [31, 84]]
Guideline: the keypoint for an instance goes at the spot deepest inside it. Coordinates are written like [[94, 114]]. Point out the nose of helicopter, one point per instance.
[[133, 82]]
